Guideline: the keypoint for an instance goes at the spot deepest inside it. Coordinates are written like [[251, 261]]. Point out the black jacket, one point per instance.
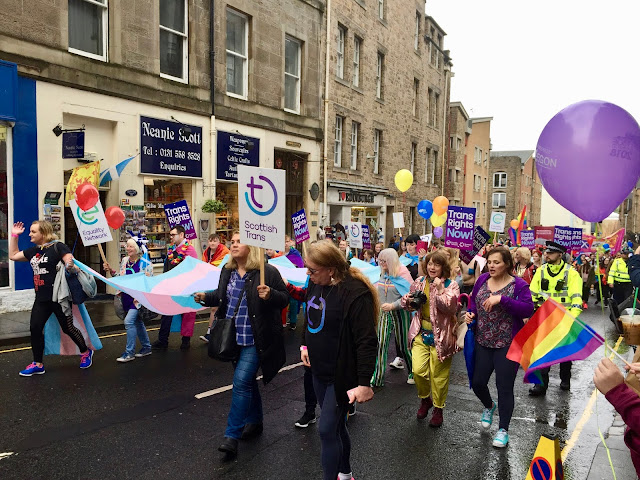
[[358, 344], [633, 265], [264, 315]]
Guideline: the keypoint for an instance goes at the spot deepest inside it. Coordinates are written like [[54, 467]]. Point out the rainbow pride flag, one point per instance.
[[551, 336]]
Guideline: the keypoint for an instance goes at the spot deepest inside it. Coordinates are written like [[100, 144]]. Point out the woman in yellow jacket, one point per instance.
[[618, 277]]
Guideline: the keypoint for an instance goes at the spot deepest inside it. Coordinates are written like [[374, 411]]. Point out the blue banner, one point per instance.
[[73, 145], [234, 149], [169, 148]]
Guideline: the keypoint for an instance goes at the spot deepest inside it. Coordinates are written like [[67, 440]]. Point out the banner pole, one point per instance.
[[261, 266], [102, 253]]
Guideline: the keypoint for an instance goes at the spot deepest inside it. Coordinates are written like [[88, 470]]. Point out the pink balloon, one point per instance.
[[115, 217], [86, 196], [437, 231], [588, 158]]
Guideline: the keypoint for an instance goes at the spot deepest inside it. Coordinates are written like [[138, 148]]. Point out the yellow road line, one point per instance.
[[588, 411], [99, 336]]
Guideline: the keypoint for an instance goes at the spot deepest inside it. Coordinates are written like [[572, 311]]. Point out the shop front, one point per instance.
[[350, 202], [164, 179], [238, 144]]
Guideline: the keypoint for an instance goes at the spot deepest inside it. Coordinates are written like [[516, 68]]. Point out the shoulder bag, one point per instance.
[[222, 339]]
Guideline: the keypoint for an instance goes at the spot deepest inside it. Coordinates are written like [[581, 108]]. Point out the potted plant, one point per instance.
[[214, 206]]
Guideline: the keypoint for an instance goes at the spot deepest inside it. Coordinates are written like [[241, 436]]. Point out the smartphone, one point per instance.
[[422, 245]]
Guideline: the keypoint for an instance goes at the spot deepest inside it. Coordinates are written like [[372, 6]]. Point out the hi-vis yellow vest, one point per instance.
[[570, 295], [619, 272]]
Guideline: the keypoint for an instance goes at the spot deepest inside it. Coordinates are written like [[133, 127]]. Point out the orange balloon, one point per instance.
[[514, 224], [440, 205]]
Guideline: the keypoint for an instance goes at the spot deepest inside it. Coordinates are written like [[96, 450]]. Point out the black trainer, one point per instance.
[[537, 390], [186, 343], [252, 430], [229, 446], [566, 386], [306, 420], [158, 345]]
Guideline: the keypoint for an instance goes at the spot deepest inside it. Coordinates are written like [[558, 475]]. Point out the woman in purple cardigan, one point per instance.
[[501, 304]]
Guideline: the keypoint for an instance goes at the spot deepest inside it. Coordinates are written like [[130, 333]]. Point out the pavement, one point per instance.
[[143, 419]]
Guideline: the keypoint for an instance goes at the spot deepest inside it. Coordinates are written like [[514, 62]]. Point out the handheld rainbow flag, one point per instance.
[[551, 336], [522, 223]]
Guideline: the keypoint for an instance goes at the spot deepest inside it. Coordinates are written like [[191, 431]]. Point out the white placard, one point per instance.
[[92, 224], [355, 234], [498, 221], [398, 220], [261, 202], [426, 238]]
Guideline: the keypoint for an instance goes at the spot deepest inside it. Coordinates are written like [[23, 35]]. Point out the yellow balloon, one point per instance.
[[438, 220], [404, 180]]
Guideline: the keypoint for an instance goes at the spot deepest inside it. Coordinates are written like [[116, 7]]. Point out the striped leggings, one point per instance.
[[398, 320], [40, 313]]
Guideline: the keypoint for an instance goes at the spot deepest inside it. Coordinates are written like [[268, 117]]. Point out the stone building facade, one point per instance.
[[457, 154], [515, 183], [477, 167], [387, 108]]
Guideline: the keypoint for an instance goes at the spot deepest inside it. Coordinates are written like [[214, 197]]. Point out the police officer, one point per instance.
[[556, 279], [618, 277]]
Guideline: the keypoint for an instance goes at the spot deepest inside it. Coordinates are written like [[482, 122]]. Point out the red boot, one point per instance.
[[425, 405], [436, 418]]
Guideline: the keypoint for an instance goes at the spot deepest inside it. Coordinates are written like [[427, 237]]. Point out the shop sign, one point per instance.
[[92, 224], [261, 202], [178, 214], [234, 150], [356, 197], [131, 193], [52, 198], [73, 144], [300, 226], [460, 227], [166, 149]]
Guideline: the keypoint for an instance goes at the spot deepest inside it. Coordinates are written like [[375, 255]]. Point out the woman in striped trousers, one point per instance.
[[395, 281]]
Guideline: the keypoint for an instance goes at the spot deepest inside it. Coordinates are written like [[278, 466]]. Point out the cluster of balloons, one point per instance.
[[87, 197], [435, 211], [588, 158]]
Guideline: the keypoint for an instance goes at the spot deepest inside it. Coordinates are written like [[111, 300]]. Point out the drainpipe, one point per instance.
[[447, 71], [325, 207], [212, 70]]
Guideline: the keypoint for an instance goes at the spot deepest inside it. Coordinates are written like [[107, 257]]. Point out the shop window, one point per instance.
[[174, 50], [88, 27], [294, 164], [156, 196], [4, 209], [227, 222]]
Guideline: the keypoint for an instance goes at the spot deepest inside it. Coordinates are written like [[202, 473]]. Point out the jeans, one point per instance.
[[487, 360], [332, 427], [135, 328], [246, 404], [294, 308]]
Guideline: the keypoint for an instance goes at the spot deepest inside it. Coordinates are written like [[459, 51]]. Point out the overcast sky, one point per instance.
[[521, 62]]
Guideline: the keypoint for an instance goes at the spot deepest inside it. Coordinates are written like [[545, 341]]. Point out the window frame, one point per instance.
[[245, 76], [379, 73], [105, 33], [377, 137], [416, 33], [355, 77], [427, 159], [414, 149], [381, 9], [298, 77], [499, 195], [337, 141], [416, 93], [340, 48], [498, 176], [185, 47], [355, 131]]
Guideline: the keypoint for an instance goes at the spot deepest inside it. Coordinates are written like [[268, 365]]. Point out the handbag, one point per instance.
[[78, 296], [117, 306], [146, 315], [222, 339]]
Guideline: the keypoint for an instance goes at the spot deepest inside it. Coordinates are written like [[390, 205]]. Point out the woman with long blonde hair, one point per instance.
[[395, 281], [339, 344], [256, 309]]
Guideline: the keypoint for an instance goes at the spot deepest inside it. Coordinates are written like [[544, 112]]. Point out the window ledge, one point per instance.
[[235, 95], [174, 79], [361, 3], [93, 56], [357, 89], [382, 21], [380, 101], [342, 81], [291, 111]]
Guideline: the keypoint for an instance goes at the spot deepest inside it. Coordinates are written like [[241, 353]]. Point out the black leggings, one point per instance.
[[40, 313], [486, 361]]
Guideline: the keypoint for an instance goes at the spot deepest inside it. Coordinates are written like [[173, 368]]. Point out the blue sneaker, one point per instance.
[[144, 352], [487, 416], [126, 357], [86, 359], [32, 369], [501, 439]]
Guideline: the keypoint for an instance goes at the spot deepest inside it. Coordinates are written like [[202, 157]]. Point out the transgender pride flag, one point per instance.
[[57, 343]]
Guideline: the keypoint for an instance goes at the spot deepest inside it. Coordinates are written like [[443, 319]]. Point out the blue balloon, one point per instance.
[[425, 209]]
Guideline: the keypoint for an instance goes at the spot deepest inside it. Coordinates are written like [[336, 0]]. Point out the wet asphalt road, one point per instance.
[[141, 420]]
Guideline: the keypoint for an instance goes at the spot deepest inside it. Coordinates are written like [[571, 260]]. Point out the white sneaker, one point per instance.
[[125, 358], [397, 363], [411, 381]]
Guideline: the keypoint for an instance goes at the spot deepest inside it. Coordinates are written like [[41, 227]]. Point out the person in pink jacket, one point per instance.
[[432, 333], [609, 380]]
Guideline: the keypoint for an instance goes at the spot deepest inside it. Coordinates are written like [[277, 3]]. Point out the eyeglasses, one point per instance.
[[312, 270], [174, 234]]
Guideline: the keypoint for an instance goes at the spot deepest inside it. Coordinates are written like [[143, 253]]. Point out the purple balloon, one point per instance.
[[437, 231], [588, 158]]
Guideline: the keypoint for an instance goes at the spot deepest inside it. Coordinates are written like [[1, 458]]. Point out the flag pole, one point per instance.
[[590, 331]]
